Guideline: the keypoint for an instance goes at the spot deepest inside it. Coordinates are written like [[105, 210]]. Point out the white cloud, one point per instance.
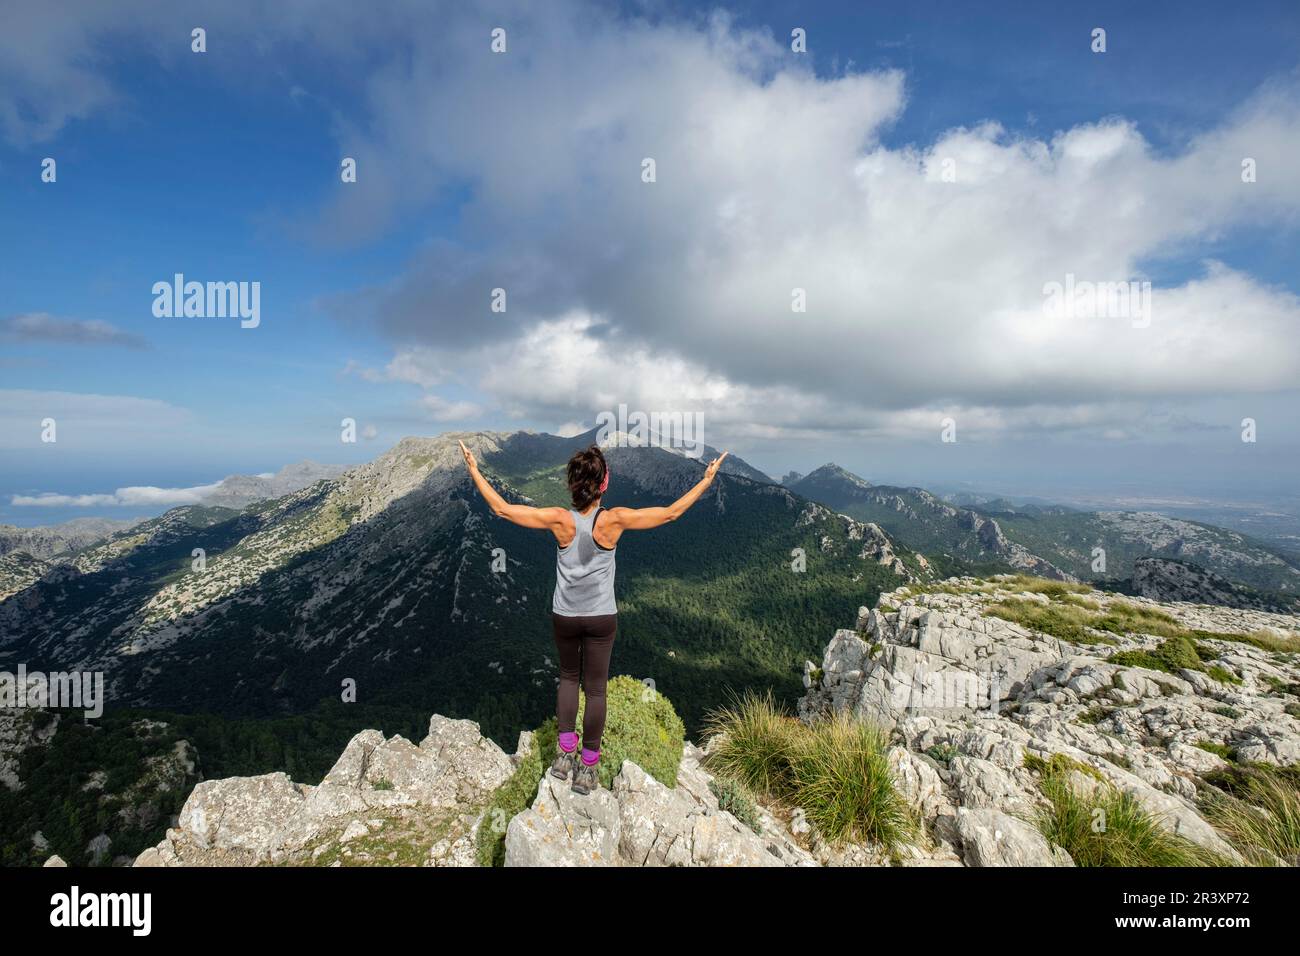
[[442, 410], [134, 497], [924, 296], [416, 365]]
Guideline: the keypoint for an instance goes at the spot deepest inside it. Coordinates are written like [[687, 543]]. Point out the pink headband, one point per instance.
[[605, 484]]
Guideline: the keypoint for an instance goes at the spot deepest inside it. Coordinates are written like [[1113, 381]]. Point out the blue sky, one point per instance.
[[523, 171]]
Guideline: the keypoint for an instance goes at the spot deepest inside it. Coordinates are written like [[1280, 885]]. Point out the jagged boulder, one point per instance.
[[377, 782], [641, 822], [563, 828]]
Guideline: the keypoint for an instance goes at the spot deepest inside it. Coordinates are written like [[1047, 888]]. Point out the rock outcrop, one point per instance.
[[971, 695], [424, 800], [641, 822]]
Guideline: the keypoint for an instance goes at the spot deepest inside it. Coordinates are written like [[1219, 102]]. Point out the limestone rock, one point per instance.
[[992, 838]]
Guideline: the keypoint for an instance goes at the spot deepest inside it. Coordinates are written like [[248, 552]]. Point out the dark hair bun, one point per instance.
[[586, 473]]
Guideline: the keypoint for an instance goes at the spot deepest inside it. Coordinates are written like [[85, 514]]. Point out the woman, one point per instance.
[[584, 616]]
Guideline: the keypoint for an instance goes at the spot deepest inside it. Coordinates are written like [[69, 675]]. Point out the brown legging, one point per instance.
[[584, 644]]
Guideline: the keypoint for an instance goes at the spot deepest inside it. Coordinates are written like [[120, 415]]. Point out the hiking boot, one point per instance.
[[564, 765], [585, 778]]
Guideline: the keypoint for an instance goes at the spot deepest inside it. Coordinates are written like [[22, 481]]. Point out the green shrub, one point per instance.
[[1222, 675], [1279, 686], [1136, 659], [641, 726], [736, 800], [1178, 653], [1059, 765], [1095, 714], [942, 753]]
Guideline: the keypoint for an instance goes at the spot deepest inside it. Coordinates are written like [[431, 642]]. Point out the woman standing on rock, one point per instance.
[[584, 616]]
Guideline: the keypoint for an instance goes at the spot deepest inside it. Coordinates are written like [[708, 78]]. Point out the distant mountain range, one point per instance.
[[957, 539], [240, 491], [994, 534]]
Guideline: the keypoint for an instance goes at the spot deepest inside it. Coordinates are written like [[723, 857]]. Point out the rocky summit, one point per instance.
[[978, 685]]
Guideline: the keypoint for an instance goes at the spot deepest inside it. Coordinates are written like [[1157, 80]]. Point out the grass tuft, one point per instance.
[[1105, 826], [835, 769], [1257, 807]]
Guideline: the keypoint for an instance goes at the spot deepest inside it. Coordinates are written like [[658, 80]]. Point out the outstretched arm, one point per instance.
[[643, 519], [525, 516]]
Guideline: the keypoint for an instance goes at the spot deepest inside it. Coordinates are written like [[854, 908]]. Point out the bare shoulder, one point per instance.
[[558, 518], [560, 521], [616, 517], [609, 527]]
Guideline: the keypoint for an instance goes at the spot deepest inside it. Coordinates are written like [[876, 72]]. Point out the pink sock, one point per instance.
[[590, 757], [569, 742]]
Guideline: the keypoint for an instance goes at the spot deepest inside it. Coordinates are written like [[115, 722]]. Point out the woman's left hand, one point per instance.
[[470, 463]]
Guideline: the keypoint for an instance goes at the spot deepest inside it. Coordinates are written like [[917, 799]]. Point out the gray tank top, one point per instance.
[[584, 573]]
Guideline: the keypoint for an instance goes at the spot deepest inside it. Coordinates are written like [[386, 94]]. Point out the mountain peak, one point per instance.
[[833, 472]]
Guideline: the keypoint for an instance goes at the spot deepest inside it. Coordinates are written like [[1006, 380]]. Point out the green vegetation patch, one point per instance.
[[1064, 621], [1171, 656], [1219, 750], [1051, 588], [1073, 618]]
